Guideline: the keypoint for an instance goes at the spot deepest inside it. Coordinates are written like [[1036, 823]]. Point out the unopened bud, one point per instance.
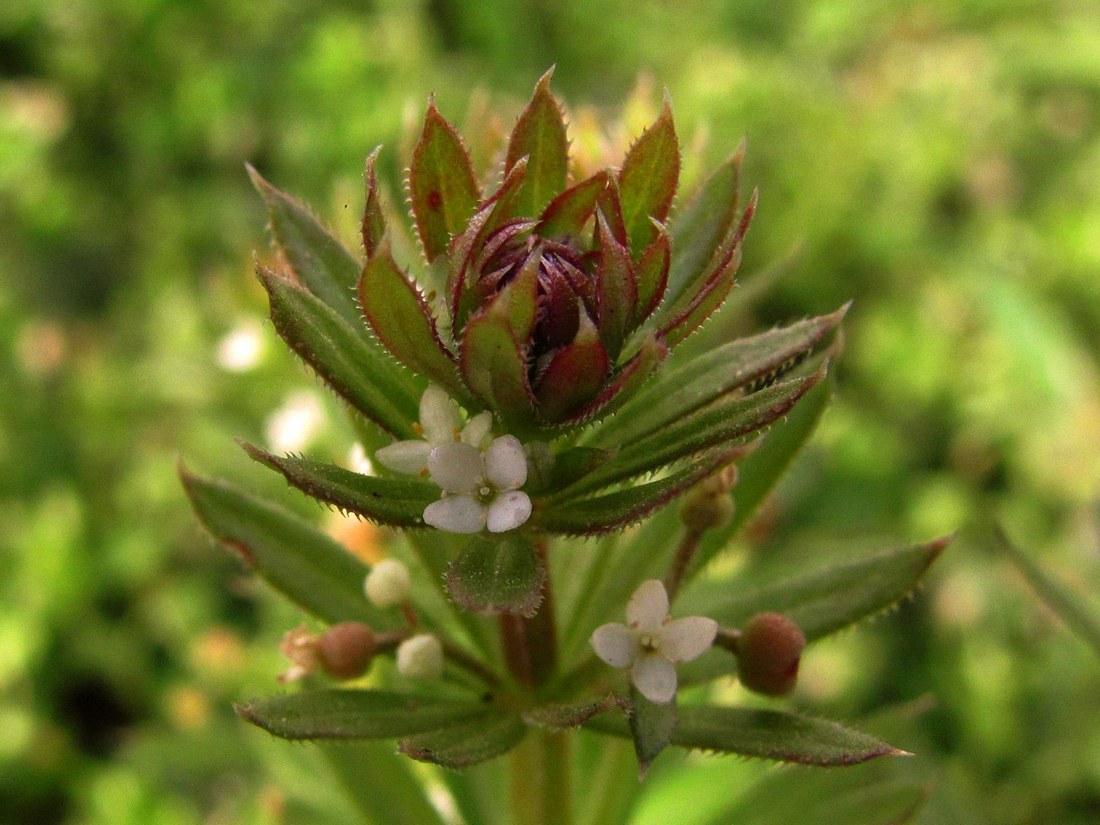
[[387, 583], [709, 505], [420, 657], [345, 650], [768, 654]]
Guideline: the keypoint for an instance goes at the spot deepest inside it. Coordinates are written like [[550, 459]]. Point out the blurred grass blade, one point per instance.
[[467, 743], [353, 364], [400, 800], [355, 714], [1067, 604], [767, 734], [299, 561], [321, 263], [395, 502]]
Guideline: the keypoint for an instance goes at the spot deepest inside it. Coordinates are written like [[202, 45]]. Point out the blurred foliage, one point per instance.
[[936, 161]]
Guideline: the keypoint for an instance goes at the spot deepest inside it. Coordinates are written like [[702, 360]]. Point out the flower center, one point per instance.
[[648, 643]]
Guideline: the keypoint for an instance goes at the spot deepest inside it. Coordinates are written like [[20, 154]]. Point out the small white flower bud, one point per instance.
[[420, 657], [387, 583]]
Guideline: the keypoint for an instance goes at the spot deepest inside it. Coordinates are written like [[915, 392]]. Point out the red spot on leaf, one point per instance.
[[435, 200]]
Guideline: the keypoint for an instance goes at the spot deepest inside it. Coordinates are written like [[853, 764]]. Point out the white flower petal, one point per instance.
[[456, 514], [508, 511], [681, 640], [405, 456], [648, 607], [506, 463], [455, 467], [477, 429], [655, 678], [616, 644], [439, 416]]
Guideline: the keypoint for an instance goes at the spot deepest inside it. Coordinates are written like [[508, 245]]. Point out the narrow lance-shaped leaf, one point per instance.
[[652, 275], [496, 575], [756, 360], [401, 800], [355, 714], [402, 321], [442, 185], [466, 743], [320, 262], [295, 558], [616, 289], [650, 173], [826, 600], [625, 382], [567, 214], [357, 368], [652, 726], [719, 423], [767, 734], [600, 514], [698, 227], [396, 502], [494, 364], [539, 135], [373, 226]]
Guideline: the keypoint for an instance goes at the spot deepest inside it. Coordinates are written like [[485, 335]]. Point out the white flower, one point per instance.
[[441, 423], [387, 583], [295, 424], [420, 657], [651, 644], [480, 487]]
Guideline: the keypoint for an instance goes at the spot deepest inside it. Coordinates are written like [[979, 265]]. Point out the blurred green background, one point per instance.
[[937, 162]]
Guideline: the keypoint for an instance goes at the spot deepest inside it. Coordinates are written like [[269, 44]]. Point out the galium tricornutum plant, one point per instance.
[[532, 401]]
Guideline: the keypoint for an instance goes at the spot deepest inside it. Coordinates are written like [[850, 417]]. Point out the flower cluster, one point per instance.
[[480, 476]]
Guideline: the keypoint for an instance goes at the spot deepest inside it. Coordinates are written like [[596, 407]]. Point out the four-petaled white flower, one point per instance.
[[479, 475], [441, 423], [651, 644], [480, 487]]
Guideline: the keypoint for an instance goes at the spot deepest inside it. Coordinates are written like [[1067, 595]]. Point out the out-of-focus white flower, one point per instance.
[[242, 348], [387, 583], [441, 423], [358, 460], [480, 488], [294, 425], [651, 643], [420, 657]]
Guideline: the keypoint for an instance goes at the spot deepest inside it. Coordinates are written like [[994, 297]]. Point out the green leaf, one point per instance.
[[760, 471], [647, 182], [501, 574], [750, 362], [652, 726], [1068, 605], [571, 714], [567, 214], [395, 502], [698, 228], [825, 600], [767, 734], [494, 364], [539, 135], [373, 226], [574, 463], [299, 561], [611, 511], [320, 262], [467, 743], [726, 421], [443, 188], [652, 275], [400, 318], [356, 367], [616, 290], [356, 714], [624, 383]]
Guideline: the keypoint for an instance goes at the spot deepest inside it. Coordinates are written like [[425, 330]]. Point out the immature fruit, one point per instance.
[[345, 650], [768, 653]]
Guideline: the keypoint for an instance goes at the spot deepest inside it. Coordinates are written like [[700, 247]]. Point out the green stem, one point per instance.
[[531, 645], [540, 780]]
